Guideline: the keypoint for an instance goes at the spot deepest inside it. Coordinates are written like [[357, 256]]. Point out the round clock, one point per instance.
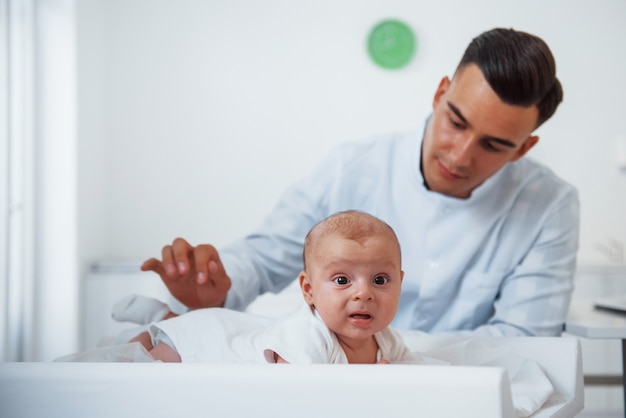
[[391, 44]]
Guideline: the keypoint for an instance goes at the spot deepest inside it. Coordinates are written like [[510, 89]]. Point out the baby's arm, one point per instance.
[[165, 353], [144, 339]]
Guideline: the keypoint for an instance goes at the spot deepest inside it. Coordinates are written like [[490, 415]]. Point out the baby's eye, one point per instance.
[[380, 280], [341, 280]]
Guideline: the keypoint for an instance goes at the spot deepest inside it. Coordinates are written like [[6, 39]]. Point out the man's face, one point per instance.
[[472, 134]]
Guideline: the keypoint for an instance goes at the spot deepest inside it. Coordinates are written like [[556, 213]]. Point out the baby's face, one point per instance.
[[355, 287]]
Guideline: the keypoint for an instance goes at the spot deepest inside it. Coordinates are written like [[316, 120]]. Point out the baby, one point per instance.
[[351, 283]]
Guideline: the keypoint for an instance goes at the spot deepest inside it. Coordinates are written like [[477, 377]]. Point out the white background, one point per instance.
[[194, 115]]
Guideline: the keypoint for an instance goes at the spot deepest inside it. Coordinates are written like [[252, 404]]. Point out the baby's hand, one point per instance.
[[279, 359], [383, 362]]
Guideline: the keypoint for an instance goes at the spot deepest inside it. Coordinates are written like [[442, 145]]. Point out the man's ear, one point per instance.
[[305, 286], [441, 89], [530, 142]]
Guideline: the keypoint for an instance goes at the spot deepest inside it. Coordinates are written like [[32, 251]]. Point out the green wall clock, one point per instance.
[[391, 44]]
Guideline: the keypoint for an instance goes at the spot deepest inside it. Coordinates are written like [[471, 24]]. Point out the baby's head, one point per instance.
[[352, 273], [351, 225]]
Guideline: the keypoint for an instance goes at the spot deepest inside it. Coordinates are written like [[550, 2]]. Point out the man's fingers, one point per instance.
[[220, 279], [152, 264], [209, 268], [203, 255], [193, 275], [176, 258], [169, 268], [213, 267], [211, 271], [181, 251]]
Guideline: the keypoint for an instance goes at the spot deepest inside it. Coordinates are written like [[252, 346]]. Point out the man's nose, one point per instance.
[[461, 152]]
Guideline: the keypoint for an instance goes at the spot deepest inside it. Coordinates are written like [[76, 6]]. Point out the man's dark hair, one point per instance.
[[519, 67]]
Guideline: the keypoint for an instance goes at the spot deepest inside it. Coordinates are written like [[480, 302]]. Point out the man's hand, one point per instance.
[[193, 275]]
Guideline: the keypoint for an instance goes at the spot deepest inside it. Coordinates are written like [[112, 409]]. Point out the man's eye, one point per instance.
[[380, 280], [341, 280], [456, 124], [490, 147]]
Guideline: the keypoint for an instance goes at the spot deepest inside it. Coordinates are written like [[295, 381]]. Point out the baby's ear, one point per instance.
[[305, 286]]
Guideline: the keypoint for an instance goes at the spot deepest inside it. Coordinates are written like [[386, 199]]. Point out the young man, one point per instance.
[[489, 238]]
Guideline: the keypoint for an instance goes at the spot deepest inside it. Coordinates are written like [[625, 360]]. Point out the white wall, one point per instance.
[[194, 115]]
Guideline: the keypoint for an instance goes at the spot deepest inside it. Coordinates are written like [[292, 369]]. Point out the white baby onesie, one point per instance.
[[219, 335]]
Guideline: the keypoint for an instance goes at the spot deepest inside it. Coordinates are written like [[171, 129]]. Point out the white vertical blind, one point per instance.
[[39, 272], [4, 177], [17, 172]]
